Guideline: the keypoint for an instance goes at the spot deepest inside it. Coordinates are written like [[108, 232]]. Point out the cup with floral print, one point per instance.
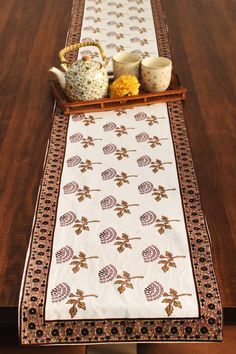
[[156, 74]]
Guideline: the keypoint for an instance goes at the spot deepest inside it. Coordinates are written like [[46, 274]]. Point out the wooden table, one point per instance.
[[203, 37]]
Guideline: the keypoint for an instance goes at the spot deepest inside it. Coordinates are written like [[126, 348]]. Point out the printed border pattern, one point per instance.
[[34, 330]]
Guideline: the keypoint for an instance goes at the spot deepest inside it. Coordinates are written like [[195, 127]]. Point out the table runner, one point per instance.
[[119, 249]]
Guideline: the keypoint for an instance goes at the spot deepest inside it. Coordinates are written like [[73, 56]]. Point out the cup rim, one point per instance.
[[157, 61], [130, 54]]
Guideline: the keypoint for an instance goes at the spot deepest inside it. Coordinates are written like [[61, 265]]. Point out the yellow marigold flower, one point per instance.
[[125, 85]]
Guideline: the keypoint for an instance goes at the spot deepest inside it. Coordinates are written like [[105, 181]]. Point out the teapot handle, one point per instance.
[[64, 62]]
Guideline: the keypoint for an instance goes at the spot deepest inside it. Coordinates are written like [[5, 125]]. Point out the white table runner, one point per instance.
[[136, 143], [119, 250], [128, 197]]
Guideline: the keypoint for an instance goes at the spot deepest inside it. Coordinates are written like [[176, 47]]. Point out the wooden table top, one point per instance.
[[202, 35]]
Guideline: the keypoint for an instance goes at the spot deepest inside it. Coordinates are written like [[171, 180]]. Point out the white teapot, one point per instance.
[[86, 79]]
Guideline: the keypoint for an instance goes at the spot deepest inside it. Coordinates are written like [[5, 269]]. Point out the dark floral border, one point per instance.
[[32, 327]]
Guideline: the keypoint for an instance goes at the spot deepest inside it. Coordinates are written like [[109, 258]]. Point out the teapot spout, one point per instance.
[[60, 76]]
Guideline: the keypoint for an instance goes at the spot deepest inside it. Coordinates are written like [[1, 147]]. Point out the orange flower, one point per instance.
[[125, 85]]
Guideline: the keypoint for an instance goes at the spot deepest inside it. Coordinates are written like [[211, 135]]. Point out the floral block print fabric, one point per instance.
[[120, 233], [119, 26], [119, 249]]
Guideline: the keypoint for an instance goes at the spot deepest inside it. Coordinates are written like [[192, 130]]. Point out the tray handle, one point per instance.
[[64, 62]]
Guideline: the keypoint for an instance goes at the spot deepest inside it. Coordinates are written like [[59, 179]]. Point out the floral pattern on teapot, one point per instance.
[[86, 80]]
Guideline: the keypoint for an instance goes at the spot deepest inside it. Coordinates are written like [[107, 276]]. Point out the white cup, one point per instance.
[[126, 64], [156, 74]]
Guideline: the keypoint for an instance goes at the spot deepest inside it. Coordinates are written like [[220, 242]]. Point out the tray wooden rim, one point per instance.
[[174, 93]]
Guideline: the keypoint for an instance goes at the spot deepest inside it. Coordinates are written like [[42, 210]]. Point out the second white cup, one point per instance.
[[156, 74]]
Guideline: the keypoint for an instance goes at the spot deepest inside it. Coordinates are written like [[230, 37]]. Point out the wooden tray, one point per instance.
[[174, 93]]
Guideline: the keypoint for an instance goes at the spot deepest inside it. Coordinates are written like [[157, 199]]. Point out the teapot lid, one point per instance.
[[86, 64]]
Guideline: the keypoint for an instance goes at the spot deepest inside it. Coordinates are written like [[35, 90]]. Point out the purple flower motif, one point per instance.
[[133, 8], [140, 116], [67, 218], [111, 46], [153, 291], [107, 273], [87, 39], [108, 202], [143, 161], [111, 34], [60, 292], [135, 40], [136, 51], [75, 138], [145, 187], [110, 173], [141, 137], [132, 18], [108, 235], [111, 23], [109, 126], [133, 28], [148, 218], [89, 28], [109, 149], [112, 13], [73, 161], [71, 188], [150, 254], [88, 18], [78, 117], [86, 52], [64, 254], [90, 8]]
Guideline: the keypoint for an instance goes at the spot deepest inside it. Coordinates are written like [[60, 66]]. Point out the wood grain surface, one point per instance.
[[32, 33], [202, 34]]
